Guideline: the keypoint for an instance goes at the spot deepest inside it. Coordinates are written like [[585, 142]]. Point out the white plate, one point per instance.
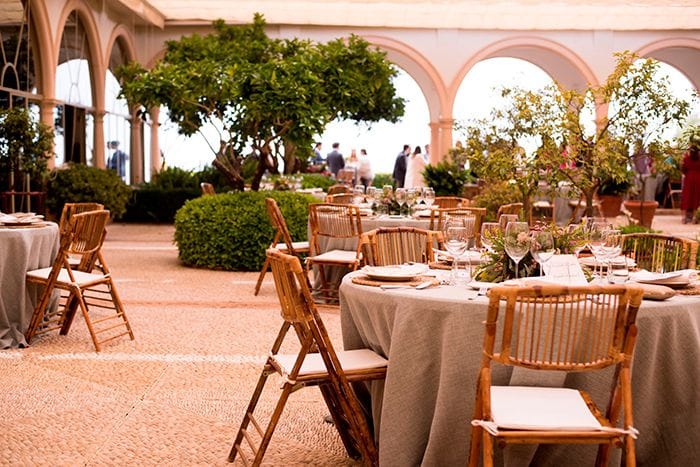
[[403, 272]]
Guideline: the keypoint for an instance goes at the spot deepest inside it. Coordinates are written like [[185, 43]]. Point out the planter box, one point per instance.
[[610, 205]]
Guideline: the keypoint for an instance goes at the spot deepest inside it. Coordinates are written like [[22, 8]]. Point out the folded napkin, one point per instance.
[[674, 277]]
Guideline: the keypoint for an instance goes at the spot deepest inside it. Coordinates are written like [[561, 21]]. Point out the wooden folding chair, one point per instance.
[[660, 253], [70, 209], [341, 198], [437, 218], [333, 223], [346, 176], [552, 327], [512, 208], [94, 293], [207, 189], [338, 188], [316, 364], [398, 245], [450, 202], [282, 240]]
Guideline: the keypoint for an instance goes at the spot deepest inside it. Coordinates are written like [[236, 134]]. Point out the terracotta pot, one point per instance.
[[642, 211], [610, 205]]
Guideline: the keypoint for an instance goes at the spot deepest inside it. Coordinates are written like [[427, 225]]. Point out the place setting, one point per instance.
[[21, 220], [416, 275]]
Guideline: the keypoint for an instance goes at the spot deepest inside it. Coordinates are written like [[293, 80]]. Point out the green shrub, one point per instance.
[[210, 174], [174, 177], [493, 195], [80, 183], [635, 228], [231, 231], [446, 178], [155, 204], [382, 179], [311, 180]]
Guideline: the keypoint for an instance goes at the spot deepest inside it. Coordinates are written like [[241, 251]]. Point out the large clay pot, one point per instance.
[[610, 205], [643, 211]]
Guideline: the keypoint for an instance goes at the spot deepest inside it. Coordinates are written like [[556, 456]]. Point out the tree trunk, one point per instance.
[[589, 202], [291, 162], [230, 166]]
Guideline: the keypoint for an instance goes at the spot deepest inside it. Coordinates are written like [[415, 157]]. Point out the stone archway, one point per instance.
[[683, 54]]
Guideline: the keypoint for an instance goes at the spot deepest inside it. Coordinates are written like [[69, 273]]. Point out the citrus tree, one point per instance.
[[266, 97]]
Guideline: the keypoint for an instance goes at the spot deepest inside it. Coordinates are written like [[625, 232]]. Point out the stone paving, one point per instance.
[[176, 394]]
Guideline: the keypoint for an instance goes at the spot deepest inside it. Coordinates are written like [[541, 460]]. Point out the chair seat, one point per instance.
[[350, 360], [81, 278], [336, 256], [298, 246], [541, 409]]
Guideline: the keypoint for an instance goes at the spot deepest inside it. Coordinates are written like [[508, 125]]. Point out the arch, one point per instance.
[[44, 53], [420, 69], [681, 53], [560, 62], [122, 35]]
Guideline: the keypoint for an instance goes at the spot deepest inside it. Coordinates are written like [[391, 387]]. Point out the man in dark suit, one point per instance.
[[399, 174], [335, 160]]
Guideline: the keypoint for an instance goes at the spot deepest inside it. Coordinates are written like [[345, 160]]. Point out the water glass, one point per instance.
[[428, 196], [400, 196], [542, 248], [517, 242], [618, 271], [456, 244], [489, 231]]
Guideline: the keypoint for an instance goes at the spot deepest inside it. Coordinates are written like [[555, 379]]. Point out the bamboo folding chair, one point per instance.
[[333, 222], [316, 364], [450, 202], [346, 176], [282, 240], [338, 188], [94, 293], [341, 198], [438, 216], [207, 189], [398, 245], [660, 253], [512, 208], [70, 209], [552, 327]]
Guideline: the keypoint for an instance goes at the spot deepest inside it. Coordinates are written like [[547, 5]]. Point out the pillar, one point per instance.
[[440, 139]]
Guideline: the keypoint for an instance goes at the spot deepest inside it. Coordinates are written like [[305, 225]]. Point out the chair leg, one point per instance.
[[86, 315], [261, 276], [488, 449], [340, 422]]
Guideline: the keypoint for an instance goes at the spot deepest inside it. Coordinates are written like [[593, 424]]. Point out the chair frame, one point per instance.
[[398, 245], [579, 347], [345, 222], [279, 224], [446, 202], [299, 312], [511, 208], [207, 189], [341, 198], [660, 253], [437, 217], [84, 238], [338, 188]]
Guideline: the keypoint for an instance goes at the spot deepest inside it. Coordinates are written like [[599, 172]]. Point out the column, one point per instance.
[[99, 156], [440, 139], [156, 161]]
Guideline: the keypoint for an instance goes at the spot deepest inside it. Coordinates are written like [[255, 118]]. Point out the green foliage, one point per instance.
[[267, 96], [689, 137], [80, 183], [175, 177], [25, 148], [231, 231], [155, 204], [382, 179], [446, 178], [494, 195], [614, 187], [635, 228], [310, 180]]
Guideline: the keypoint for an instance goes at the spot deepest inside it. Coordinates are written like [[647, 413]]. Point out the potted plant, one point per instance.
[[610, 195]]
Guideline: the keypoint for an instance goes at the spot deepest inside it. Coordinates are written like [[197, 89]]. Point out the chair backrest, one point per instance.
[[398, 245], [450, 202], [554, 327], [70, 209], [346, 176], [207, 188], [341, 198], [337, 189], [280, 225], [87, 232], [437, 218], [512, 208], [660, 253], [333, 221]]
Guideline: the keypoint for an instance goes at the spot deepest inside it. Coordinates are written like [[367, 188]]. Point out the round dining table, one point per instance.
[[433, 340], [22, 249]]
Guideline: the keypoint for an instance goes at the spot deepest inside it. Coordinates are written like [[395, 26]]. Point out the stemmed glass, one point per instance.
[[456, 238], [542, 248], [412, 199], [488, 233], [358, 194], [378, 197], [428, 196], [516, 242], [596, 240], [579, 237], [400, 195]]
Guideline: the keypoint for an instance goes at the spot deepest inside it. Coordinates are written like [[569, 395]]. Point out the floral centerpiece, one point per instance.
[[384, 201], [498, 267]]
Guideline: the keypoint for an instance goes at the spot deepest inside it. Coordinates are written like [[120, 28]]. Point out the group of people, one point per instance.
[[409, 166]]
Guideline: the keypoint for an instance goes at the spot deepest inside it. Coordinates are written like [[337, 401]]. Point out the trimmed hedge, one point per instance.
[[155, 204], [231, 231]]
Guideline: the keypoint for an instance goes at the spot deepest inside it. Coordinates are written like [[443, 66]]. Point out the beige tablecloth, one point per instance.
[[22, 250], [433, 339]]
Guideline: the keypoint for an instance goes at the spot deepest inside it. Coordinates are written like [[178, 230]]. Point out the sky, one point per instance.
[[476, 97]]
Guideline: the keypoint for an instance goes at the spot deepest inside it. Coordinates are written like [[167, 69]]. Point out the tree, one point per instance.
[[639, 107], [266, 97]]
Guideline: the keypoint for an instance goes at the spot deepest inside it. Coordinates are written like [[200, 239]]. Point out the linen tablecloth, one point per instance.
[[22, 250], [433, 340]]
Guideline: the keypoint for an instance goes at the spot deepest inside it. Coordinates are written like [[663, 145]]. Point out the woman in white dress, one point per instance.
[[414, 170]]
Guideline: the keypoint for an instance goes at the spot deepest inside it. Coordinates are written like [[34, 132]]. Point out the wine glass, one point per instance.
[[489, 230], [358, 194], [578, 235], [456, 238], [378, 198], [542, 247], [516, 242], [596, 240], [412, 199], [400, 196], [428, 196]]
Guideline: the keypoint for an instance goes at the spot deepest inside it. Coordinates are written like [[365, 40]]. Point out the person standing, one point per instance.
[[399, 173], [426, 154], [318, 157], [364, 169], [414, 170], [117, 161], [335, 160], [690, 193]]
